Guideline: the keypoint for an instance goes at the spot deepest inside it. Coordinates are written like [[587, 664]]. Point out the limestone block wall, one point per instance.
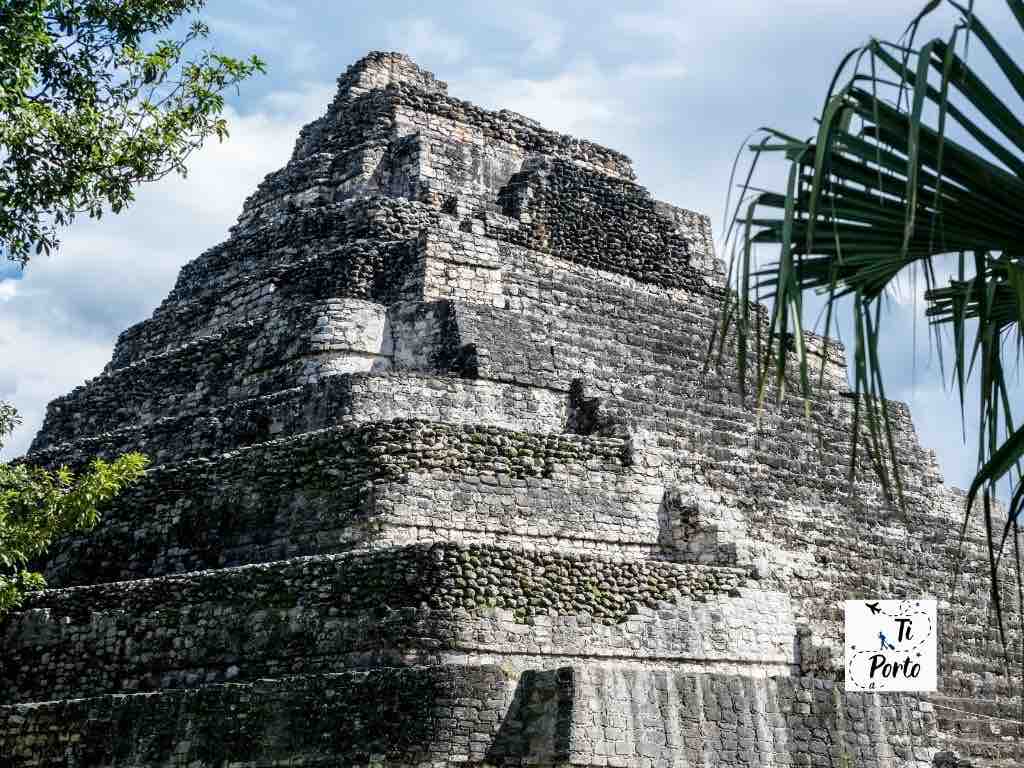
[[278, 351], [609, 510], [769, 492], [703, 532], [343, 399], [559, 486], [408, 716], [161, 646], [448, 167], [378, 70], [303, 614], [461, 267], [315, 254], [368, 142], [404, 716], [590, 218], [458, 265], [695, 229], [313, 493], [619, 716], [422, 109], [709, 632], [479, 714], [368, 226]]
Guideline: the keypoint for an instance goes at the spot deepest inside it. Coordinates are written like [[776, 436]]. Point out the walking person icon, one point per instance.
[[885, 644]]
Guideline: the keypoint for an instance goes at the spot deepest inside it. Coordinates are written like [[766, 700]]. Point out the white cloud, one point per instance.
[[222, 175], [658, 70], [683, 20], [274, 9], [583, 98], [308, 100], [58, 323], [244, 31], [304, 57], [544, 34], [936, 415], [669, 26], [46, 364], [576, 100], [265, 30], [425, 41]]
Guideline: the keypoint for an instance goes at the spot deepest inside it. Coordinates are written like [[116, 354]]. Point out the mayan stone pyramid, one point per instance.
[[440, 478]]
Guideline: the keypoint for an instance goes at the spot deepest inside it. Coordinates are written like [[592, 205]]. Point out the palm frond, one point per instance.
[[916, 156]]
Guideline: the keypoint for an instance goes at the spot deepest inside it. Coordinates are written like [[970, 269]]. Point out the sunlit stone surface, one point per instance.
[[441, 478]]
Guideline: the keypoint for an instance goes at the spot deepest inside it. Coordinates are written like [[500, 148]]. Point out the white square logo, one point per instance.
[[891, 645]]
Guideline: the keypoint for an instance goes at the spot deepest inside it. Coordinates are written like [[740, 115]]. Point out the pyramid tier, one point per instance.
[[257, 358], [364, 247], [442, 401], [583, 715], [359, 249], [644, 347], [420, 603], [332, 401], [372, 484], [451, 315], [412, 716]]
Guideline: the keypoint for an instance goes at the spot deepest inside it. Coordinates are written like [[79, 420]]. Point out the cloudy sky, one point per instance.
[[675, 85]]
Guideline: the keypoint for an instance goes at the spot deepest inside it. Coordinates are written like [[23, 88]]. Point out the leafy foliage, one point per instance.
[[9, 419], [87, 110], [38, 506], [916, 157]]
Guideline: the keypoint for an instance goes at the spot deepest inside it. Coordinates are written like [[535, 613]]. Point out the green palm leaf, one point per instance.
[[916, 156]]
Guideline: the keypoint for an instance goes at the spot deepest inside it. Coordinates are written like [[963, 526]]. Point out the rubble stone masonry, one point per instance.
[[441, 477]]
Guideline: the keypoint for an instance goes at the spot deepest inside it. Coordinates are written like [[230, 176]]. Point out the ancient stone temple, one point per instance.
[[440, 477]]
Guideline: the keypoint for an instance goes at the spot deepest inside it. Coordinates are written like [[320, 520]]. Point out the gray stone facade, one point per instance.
[[440, 477]]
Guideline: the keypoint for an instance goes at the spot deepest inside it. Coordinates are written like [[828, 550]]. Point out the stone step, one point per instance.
[[335, 400], [359, 270], [582, 715], [208, 431], [294, 235], [329, 612], [254, 358], [144, 338], [332, 489], [990, 719], [240, 362], [405, 716], [408, 264], [986, 753], [538, 357]]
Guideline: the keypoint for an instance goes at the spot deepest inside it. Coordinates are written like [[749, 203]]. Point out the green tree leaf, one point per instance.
[[92, 104], [38, 506]]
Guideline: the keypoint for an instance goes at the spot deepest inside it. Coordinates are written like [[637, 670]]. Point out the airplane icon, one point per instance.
[[873, 607]]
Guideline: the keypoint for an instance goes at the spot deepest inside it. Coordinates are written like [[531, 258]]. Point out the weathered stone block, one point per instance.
[[442, 476]]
